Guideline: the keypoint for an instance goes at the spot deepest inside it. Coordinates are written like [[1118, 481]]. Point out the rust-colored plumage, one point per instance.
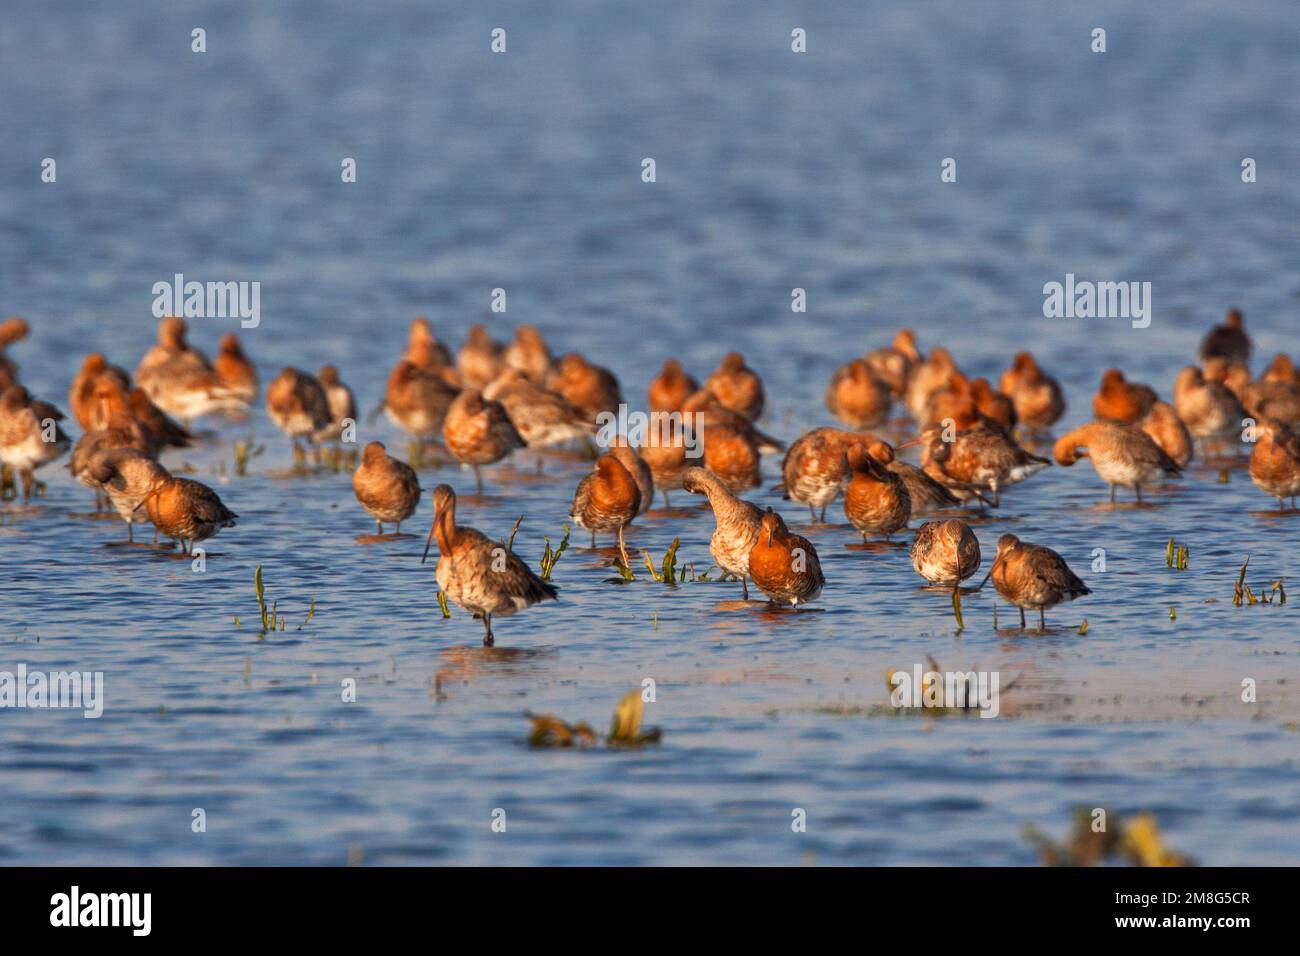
[[187, 511], [1031, 576], [424, 350], [994, 405], [386, 487], [416, 400], [478, 432], [876, 500], [589, 387], [1038, 398], [637, 467], [13, 329], [737, 386], [1163, 426], [81, 394], [482, 576], [1281, 369], [607, 500], [670, 389], [1275, 461], [234, 370], [705, 404], [784, 565], [1121, 401], [856, 397], [732, 454]]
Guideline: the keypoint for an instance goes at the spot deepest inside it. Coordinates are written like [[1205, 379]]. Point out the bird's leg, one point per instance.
[[130, 532], [744, 587], [478, 480], [28, 480], [1042, 621], [1112, 494], [1138, 489], [488, 639], [622, 549], [823, 517], [398, 529], [379, 527], [812, 512], [1022, 618], [666, 503]]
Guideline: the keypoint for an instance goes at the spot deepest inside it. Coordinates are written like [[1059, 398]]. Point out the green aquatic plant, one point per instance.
[[666, 571], [1177, 555], [245, 451], [272, 620], [442, 603], [550, 557], [260, 590]]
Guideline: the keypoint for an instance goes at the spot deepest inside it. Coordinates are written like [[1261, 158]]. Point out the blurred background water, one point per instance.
[[522, 171]]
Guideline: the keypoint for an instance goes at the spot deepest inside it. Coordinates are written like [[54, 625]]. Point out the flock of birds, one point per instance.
[[491, 399]]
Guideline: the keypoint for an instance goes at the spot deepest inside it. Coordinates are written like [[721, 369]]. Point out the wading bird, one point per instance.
[[1031, 576], [298, 406], [480, 359], [30, 435], [945, 553], [607, 499], [736, 524], [483, 577], [856, 397], [1038, 398], [1275, 462], [386, 487], [1122, 455], [477, 432], [186, 511], [737, 386], [876, 500], [784, 565], [1228, 341], [126, 477], [670, 389]]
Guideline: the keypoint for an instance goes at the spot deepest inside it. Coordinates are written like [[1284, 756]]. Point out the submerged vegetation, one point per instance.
[[1099, 837], [624, 729]]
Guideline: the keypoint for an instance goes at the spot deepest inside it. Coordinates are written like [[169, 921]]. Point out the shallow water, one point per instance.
[[523, 171]]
